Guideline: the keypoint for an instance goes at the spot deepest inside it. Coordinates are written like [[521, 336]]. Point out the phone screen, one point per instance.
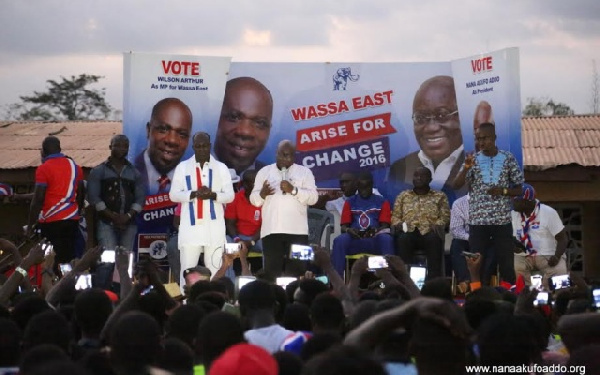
[[541, 299], [324, 279], [302, 252], [65, 268], [232, 248], [130, 268], [596, 298], [108, 256], [536, 282], [377, 262], [147, 290], [418, 274], [83, 282], [47, 248], [559, 282]]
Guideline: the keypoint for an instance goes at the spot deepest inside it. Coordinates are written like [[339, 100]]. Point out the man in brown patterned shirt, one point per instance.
[[419, 218]]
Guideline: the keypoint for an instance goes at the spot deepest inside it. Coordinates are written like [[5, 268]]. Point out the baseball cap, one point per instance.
[[245, 359], [200, 269], [528, 192]]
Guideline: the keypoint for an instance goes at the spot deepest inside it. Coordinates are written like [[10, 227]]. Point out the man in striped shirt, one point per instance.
[[57, 197]]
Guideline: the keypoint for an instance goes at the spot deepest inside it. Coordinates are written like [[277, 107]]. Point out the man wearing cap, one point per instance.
[[540, 231], [203, 186]]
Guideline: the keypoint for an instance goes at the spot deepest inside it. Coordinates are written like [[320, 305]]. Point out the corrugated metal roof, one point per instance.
[[561, 140], [547, 141], [85, 141]]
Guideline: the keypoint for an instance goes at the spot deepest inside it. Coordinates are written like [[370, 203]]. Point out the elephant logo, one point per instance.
[[341, 77]]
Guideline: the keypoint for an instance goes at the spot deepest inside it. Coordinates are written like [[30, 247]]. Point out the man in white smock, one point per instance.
[[203, 186]]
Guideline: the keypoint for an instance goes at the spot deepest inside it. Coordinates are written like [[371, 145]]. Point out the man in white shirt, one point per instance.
[[542, 237], [284, 190], [203, 186]]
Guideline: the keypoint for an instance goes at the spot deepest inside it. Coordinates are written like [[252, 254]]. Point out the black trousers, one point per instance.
[[430, 243], [61, 234], [276, 251], [497, 240]]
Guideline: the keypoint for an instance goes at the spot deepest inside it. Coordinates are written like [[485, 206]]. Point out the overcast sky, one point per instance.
[[44, 39]]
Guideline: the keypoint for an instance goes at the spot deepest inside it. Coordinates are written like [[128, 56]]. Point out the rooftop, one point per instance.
[[547, 141]]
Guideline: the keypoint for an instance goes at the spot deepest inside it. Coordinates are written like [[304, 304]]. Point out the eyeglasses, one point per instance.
[[440, 117]]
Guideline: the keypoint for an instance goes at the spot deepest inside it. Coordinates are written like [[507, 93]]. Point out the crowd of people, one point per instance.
[[331, 317]]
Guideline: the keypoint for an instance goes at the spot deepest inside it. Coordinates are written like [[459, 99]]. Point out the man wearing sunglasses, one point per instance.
[[437, 130]]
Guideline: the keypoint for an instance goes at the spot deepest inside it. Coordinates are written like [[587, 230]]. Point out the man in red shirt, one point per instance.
[[242, 219], [57, 197]]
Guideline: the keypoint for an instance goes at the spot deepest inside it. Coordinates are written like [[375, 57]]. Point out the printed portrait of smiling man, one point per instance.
[[437, 131], [244, 125], [168, 133]]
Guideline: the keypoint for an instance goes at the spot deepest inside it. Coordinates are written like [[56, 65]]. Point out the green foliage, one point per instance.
[[538, 107], [68, 99]]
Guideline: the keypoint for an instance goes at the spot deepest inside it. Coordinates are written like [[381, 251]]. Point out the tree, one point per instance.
[[538, 107], [68, 99]]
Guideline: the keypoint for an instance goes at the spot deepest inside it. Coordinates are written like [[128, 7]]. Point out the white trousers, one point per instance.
[[189, 255]]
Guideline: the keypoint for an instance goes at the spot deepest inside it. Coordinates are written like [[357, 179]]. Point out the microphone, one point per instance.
[[284, 175]]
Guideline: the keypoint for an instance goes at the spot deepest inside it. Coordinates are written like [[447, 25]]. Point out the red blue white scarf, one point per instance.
[[526, 223], [198, 214]]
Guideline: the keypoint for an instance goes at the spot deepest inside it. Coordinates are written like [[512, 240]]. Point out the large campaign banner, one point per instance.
[[166, 99], [488, 89], [389, 118]]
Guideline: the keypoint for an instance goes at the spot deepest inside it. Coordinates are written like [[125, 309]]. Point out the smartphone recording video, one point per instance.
[[108, 256], [596, 297], [147, 290], [541, 299], [536, 282], [376, 262], [302, 252], [559, 282], [232, 248], [83, 282], [417, 275], [65, 268], [47, 247]]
